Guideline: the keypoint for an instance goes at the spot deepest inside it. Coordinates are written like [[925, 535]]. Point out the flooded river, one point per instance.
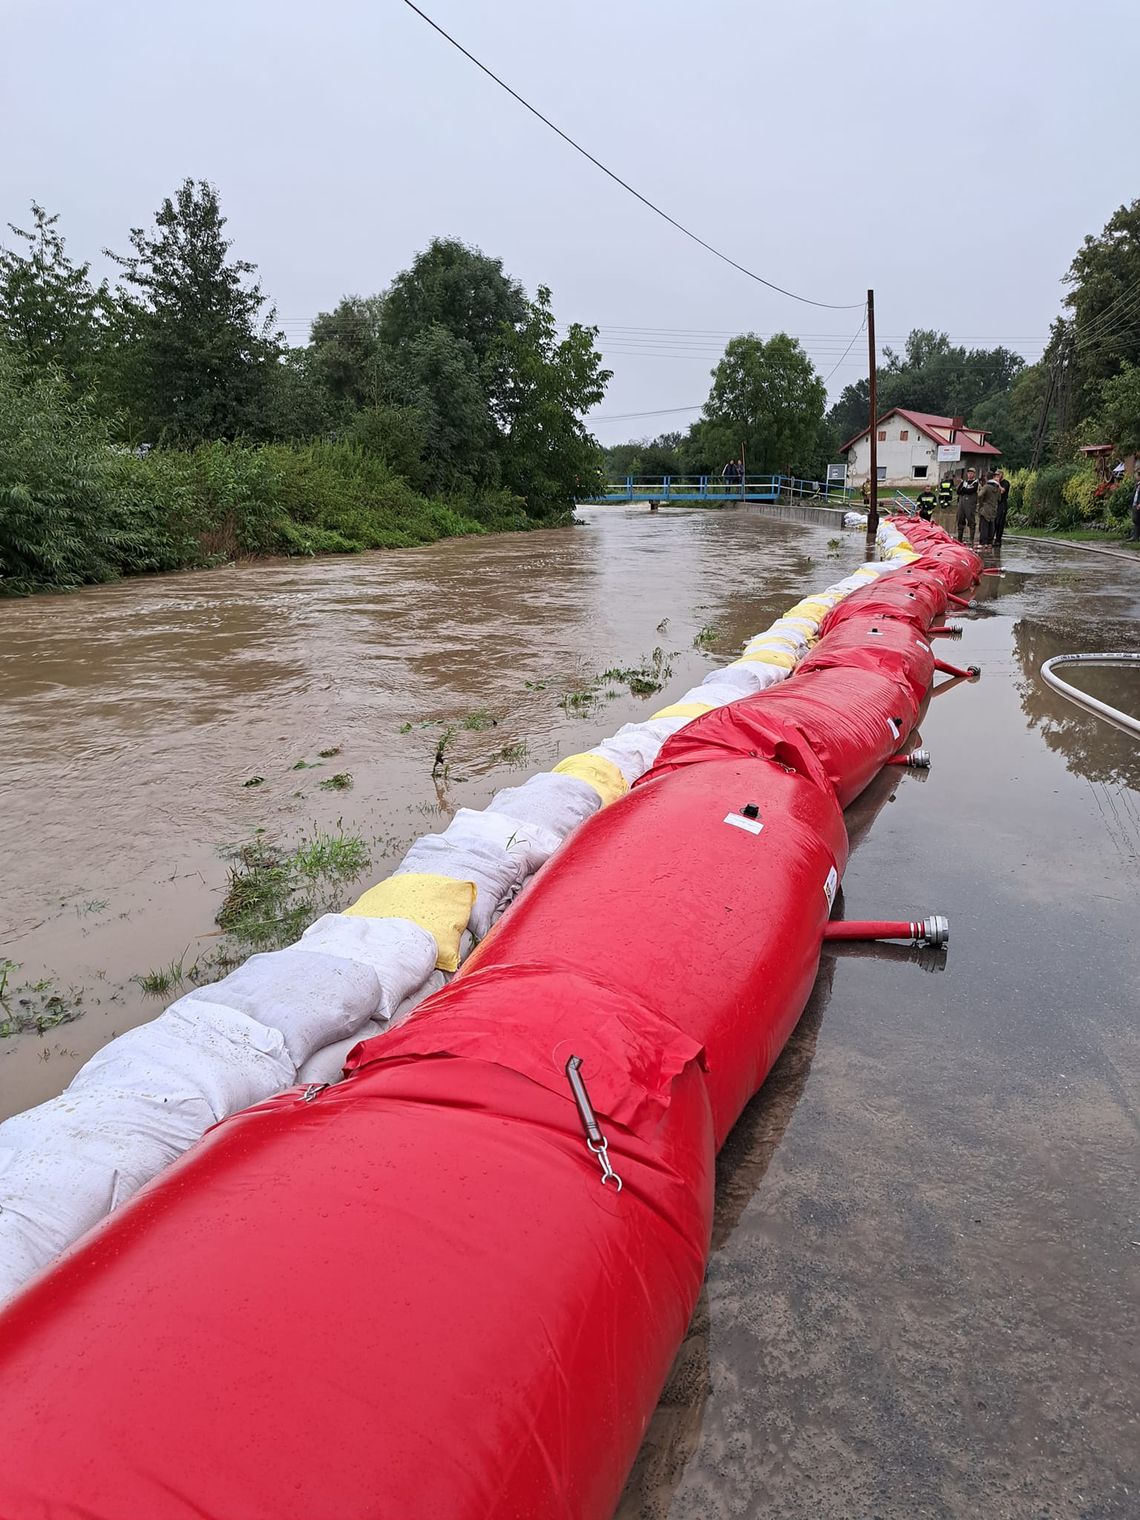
[[924, 1289]]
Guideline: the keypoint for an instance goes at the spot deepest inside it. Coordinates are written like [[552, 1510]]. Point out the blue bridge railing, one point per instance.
[[714, 488]]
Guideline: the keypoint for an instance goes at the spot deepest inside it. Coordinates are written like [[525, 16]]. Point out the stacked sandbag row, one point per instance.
[[294, 1014], [413, 1293]]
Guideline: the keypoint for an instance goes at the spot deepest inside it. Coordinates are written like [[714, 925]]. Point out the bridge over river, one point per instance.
[[715, 491]]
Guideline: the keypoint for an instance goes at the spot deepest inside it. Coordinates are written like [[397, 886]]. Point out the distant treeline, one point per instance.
[[163, 422]]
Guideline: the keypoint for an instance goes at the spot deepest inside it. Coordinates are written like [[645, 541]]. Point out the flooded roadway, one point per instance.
[[923, 1295]]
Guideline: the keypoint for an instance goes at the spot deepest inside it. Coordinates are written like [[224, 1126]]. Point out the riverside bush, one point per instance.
[[75, 508]]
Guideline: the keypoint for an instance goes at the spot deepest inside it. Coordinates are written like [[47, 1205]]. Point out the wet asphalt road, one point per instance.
[[924, 1292]]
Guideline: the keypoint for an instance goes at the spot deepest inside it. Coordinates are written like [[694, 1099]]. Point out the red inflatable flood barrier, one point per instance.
[[412, 1295]]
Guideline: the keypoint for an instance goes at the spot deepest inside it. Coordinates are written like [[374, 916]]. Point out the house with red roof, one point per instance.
[[918, 448]]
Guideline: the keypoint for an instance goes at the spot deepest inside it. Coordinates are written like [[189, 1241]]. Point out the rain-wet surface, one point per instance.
[[924, 1290], [922, 1299]]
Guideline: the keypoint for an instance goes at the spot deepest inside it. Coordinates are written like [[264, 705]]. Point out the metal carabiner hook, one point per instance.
[[596, 1142], [603, 1154]]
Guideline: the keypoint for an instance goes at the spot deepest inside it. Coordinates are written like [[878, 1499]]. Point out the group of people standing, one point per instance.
[[983, 504]]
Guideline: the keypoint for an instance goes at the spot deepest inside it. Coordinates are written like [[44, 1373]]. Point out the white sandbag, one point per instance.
[[436, 982], [48, 1198], [135, 1107], [854, 519], [105, 1128], [558, 803], [742, 680], [848, 584], [195, 1052], [632, 749], [312, 997], [400, 953], [327, 1064], [494, 871], [530, 843]]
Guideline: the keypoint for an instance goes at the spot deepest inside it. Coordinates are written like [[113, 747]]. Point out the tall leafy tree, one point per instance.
[[453, 286], [346, 356], [198, 344], [768, 397], [1118, 419], [540, 388], [1102, 328], [442, 382], [49, 310]]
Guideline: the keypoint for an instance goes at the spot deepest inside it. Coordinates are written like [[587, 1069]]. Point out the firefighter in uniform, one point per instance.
[[946, 493], [927, 501]]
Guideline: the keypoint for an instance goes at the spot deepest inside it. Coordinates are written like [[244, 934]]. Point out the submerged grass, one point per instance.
[[642, 681], [274, 893], [33, 1007]]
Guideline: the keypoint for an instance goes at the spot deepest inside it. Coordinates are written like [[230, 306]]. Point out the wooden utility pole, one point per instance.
[[873, 503]]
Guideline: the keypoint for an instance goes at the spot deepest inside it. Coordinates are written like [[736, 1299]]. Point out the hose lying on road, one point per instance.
[[1121, 720]]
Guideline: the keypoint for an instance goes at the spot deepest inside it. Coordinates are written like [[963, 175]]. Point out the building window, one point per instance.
[[904, 435], [882, 435], [881, 472], [919, 471]]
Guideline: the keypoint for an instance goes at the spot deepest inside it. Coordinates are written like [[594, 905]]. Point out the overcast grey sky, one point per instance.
[[950, 156]]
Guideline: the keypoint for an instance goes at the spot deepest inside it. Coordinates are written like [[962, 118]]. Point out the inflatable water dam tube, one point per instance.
[[452, 1284]]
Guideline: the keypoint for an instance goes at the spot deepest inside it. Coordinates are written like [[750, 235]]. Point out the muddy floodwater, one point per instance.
[[924, 1293]]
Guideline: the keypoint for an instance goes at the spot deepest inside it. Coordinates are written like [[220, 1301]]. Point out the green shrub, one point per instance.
[[75, 508], [1079, 494], [1020, 484], [1044, 504]]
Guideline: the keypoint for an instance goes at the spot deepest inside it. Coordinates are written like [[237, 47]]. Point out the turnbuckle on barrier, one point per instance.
[[595, 1140]]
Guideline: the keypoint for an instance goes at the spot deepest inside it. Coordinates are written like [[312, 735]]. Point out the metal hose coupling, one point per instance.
[[916, 760], [934, 931]]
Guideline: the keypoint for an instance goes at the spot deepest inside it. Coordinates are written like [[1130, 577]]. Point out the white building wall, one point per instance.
[[898, 455]]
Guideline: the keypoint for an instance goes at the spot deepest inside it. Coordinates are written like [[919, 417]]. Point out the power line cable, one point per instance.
[[645, 201], [849, 347]]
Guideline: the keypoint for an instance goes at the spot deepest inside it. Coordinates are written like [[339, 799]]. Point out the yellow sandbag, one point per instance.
[[436, 903], [596, 771], [778, 657], [684, 710], [812, 608]]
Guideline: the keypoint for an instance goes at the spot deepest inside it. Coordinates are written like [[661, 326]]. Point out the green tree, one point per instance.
[[346, 356], [1102, 329], [1118, 414], [540, 389], [50, 312], [646, 456], [197, 347], [441, 380], [850, 413], [458, 288], [1013, 417], [768, 397], [54, 527]]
